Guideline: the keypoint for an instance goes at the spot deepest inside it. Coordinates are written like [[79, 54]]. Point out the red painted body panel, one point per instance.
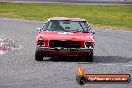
[[78, 36], [59, 53], [66, 18]]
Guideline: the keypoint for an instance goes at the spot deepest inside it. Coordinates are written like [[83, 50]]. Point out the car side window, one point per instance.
[[44, 26], [49, 26]]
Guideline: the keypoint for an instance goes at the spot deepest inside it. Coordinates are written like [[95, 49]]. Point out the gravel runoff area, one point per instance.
[[18, 69], [7, 45]]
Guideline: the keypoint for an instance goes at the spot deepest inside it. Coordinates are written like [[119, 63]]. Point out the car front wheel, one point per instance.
[[38, 56], [89, 58]]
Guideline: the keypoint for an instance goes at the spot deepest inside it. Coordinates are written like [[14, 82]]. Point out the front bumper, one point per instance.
[[65, 51]]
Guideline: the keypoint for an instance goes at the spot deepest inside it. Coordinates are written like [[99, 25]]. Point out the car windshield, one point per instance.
[[66, 26]]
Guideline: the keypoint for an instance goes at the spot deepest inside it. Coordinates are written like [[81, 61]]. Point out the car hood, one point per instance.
[[77, 36]]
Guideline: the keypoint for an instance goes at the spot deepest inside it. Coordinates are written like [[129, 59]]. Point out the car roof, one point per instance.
[[66, 18]]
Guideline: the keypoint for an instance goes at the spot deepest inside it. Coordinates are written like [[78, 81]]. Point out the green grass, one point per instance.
[[118, 16]]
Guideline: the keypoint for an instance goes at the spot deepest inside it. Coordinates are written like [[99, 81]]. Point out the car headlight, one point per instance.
[[89, 44], [41, 42]]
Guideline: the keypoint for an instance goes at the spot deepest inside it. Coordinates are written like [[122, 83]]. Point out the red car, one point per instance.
[[61, 36]]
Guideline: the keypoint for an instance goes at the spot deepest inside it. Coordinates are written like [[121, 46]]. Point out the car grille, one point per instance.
[[65, 44]]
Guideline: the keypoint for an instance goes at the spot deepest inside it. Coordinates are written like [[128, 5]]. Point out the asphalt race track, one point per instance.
[[18, 69]]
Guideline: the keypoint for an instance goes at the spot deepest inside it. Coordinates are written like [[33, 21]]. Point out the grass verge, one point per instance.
[[117, 16]]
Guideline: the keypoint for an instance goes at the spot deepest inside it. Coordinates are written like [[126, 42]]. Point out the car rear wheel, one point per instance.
[[38, 56], [89, 58]]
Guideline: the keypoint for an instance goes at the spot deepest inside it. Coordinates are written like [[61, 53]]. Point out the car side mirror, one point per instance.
[[93, 31], [39, 29]]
